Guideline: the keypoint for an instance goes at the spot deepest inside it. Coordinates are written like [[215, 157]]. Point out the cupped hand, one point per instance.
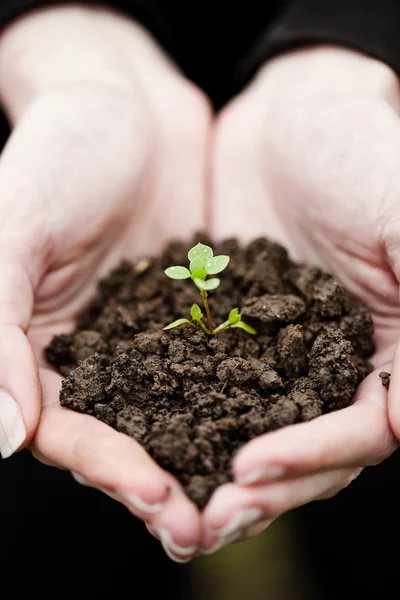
[[309, 155], [96, 169]]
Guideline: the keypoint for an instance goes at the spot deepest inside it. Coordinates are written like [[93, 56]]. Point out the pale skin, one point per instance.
[[108, 143], [322, 177], [105, 129]]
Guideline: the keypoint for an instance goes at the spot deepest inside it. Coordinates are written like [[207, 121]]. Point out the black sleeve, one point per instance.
[[369, 26]]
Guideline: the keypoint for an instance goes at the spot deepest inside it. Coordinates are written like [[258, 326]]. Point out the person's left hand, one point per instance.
[[308, 155], [108, 142]]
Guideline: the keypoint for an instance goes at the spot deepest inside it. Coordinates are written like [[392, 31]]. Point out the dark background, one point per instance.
[[56, 536]]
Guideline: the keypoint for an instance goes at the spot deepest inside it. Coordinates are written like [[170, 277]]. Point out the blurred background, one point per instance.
[[58, 537]]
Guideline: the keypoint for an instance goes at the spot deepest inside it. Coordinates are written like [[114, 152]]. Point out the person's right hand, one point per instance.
[[108, 143], [308, 154]]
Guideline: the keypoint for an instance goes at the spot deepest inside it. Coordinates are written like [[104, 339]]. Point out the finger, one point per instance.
[[394, 394], [174, 551], [115, 463], [233, 511], [253, 530], [19, 381], [359, 435]]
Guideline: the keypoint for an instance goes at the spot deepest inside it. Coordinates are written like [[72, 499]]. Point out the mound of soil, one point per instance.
[[193, 400]]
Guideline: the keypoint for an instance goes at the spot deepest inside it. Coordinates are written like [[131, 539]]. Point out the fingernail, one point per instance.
[[181, 554], [175, 558], [12, 428], [223, 541], [141, 505], [240, 519], [266, 474], [257, 528]]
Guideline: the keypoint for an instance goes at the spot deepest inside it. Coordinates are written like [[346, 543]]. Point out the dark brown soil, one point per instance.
[[385, 377], [191, 400]]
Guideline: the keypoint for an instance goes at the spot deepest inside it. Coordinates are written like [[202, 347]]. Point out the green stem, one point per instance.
[[209, 319], [221, 327], [204, 328]]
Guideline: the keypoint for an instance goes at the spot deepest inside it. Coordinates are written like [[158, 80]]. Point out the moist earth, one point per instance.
[[193, 400]]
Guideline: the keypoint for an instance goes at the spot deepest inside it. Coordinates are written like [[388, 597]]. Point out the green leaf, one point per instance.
[[217, 264], [195, 312], [199, 274], [177, 272], [202, 251], [234, 316], [197, 264], [177, 323], [209, 285], [243, 325]]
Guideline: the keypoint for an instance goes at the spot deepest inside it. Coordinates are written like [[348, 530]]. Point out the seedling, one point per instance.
[[204, 263]]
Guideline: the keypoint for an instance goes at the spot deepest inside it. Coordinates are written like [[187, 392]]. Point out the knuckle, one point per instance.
[[349, 477], [384, 439], [387, 445], [39, 456], [341, 482]]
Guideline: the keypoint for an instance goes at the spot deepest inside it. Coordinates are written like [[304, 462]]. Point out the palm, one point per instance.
[[311, 182], [108, 198]]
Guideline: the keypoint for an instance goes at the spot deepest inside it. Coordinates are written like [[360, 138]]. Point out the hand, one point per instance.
[[105, 133], [309, 155]]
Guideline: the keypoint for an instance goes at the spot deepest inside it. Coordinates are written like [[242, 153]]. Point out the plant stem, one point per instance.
[[204, 328], [221, 327], [209, 319]]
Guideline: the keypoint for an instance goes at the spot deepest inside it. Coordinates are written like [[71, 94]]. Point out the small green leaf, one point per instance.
[[197, 263], [234, 320], [209, 285], [234, 316], [243, 325], [177, 272], [195, 312], [199, 274], [234, 313], [217, 264], [177, 323], [202, 251]]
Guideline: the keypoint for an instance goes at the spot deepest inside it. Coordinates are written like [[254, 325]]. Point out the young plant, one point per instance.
[[204, 263]]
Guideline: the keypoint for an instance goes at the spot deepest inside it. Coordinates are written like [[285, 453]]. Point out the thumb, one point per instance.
[[19, 380]]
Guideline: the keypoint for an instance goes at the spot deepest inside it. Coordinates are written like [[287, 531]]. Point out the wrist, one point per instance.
[[61, 45], [328, 68]]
